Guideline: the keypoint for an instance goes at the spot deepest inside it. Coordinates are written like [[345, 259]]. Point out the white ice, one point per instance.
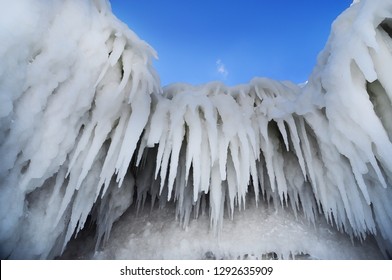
[[87, 132], [257, 233]]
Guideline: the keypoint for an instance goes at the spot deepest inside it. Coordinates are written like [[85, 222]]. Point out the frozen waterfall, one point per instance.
[[86, 131]]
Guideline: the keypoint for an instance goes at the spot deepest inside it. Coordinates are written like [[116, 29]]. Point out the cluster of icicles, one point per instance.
[[86, 130]]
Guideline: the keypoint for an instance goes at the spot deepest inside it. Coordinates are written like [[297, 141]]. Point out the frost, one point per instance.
[[86, 131]]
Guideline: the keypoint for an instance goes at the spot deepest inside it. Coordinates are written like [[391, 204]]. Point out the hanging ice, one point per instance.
[[75, 99], [85, 128]]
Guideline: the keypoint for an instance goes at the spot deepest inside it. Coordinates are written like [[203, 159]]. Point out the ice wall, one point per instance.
[[75, 87], [85, 130]]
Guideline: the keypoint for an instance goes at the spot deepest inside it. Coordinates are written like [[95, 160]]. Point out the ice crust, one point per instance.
[[86, 130], [257, 233]]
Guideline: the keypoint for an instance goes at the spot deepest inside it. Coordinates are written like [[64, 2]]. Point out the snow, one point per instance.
[[87, 134]]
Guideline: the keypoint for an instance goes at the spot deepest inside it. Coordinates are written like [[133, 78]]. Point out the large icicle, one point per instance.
[[71, 124], [79, 97], [328, 132]]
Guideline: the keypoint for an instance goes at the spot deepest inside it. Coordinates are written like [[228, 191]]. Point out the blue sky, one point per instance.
[[232, 41]]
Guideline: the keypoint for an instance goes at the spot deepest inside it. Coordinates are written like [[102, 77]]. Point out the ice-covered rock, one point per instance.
[[86, 130], [75, 87]]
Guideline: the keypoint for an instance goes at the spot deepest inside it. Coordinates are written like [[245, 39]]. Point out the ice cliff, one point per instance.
[[86, 130]]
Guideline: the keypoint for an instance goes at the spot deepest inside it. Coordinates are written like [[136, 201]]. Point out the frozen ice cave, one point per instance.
[[92, 147]]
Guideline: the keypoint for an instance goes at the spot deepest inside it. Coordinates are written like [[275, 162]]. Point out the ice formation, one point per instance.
[[260, 232], [86, 130]]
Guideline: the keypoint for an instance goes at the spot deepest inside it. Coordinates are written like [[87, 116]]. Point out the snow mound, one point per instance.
[[86, 130]]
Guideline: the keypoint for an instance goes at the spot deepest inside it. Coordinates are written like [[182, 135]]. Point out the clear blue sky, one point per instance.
[[232, 41]]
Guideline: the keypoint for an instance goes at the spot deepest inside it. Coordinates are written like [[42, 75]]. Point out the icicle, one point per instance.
[[101, 129]]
